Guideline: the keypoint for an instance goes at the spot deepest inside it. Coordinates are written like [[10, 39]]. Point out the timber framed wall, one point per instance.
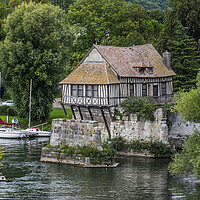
[[105, 95]]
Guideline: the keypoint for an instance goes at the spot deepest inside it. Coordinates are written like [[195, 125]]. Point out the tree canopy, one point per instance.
[[110, 22], [188, 106], [187, 11], [187, 162], [188, 103], [37, 47], [151, 4]]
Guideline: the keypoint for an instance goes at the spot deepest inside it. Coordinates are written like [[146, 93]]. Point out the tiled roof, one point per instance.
[[125, 60], [91, 73]]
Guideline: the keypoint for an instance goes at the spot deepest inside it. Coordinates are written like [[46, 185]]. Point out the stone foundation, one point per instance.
[[75, 133], [78, 160]]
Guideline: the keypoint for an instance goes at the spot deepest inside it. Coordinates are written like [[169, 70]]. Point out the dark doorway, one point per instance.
[[155, 90]]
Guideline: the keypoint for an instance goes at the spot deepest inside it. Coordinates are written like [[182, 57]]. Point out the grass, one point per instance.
[[55, 113], [59, 113]]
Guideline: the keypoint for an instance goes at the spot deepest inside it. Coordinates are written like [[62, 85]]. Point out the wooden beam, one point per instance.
[[90, 113], [64, 109], [104, 118], [73, 111], [79, 109], [108, 94]]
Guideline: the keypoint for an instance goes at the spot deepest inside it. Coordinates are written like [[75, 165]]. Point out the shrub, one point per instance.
[[142, 107], [156, 148], [118, 143]]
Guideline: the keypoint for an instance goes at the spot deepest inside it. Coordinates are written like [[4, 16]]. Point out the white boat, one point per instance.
[[37, 132], [11, 133], [3, 178]]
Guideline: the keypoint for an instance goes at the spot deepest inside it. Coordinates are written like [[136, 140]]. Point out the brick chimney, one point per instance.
[[167, 59]]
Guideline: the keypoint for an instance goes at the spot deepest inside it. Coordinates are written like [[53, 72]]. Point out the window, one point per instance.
[[131, 90], [88, 90], [142, 70], [95, 90], [80, 90], [144, 90], [92, 90], [150, 70], [73, 90], [163, 89]]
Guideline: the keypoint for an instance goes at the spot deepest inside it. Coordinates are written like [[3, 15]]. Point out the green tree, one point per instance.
[[64, 4], [188, 13], [185, 59], [151, 4], [183, 48], [187, 162], [37, 47], [188, 103], [188, 106], [3, 13], [110, 22]]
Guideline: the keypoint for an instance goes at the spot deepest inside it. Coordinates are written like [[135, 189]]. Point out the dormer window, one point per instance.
[[150, 70], [141, 70]]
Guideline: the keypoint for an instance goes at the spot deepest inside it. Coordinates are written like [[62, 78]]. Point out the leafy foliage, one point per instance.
[[104, 156], [184, 52], [3, 110], [185, 59], [155, 148], [64, 4], [3, 13], [109, 22], [188, 103], [187, 11], [37, 47], [189, 160], [151, 4], [142, 107]]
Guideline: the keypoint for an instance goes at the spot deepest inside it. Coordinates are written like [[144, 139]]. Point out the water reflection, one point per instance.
[[135, 178]]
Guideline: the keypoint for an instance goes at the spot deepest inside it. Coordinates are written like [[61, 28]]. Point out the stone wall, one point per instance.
[[75, 132], [179, 128], [134, 129], [85, 132]]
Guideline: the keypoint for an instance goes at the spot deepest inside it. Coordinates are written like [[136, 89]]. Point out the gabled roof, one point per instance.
[[91, 73], [125, 60], [114, 62]]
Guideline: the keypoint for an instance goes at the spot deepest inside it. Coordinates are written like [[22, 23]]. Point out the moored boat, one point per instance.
[[11, 133], [37, 132], [3, 178]]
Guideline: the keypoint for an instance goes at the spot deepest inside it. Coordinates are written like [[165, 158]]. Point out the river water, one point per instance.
[[134, 178]]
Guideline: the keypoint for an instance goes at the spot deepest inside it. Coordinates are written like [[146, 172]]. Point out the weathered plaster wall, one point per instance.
[[75, 132]]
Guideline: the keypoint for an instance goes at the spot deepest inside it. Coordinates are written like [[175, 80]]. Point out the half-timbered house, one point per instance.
[[108, 74]]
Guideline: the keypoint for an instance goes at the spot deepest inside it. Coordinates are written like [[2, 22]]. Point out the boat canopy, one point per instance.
[[5, 123]]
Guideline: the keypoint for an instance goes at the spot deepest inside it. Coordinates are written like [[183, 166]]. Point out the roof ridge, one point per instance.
[[98, 45]]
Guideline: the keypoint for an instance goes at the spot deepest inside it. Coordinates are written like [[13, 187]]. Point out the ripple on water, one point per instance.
[[135, 178]]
